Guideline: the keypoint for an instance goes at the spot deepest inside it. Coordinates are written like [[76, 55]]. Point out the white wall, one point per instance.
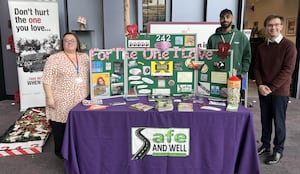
[[92, 11], [188, 11], [263, 8], [214, 7]]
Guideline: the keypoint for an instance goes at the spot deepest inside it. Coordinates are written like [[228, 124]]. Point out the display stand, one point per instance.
[[161, 65]]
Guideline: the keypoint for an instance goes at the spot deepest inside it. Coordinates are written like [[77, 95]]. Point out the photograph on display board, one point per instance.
[[97, 66], [101, 85], [162, 68], [189, 40]]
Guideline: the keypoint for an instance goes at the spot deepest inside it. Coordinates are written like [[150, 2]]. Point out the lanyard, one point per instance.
[[231, 39], [75, 64]]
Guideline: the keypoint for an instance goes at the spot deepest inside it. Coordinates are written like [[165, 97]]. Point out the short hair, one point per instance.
[[225, 12], [270, 17]]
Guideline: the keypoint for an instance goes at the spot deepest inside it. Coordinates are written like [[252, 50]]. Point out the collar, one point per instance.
[[276, 40]]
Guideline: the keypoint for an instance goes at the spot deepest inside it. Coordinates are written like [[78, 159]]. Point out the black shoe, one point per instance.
[[274, 159], [261, 150], [59, 155]]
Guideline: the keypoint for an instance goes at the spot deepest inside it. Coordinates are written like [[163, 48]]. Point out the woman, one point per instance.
[[66, 82], [100, 89]]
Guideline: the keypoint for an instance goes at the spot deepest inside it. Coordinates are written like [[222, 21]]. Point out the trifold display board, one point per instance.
[[159, 64]]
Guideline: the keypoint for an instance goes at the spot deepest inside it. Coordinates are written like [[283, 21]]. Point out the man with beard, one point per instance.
[[229, 37]]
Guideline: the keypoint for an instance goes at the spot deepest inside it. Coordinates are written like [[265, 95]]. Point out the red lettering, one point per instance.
[[35, 20]]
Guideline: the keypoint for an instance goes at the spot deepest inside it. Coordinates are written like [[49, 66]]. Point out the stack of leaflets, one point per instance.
[[131, 98], [162, 106], [210, 108], [232, 108], [86, 102], [217, 101], [185, 107], [141, 107], [186, 97], [96, 107]]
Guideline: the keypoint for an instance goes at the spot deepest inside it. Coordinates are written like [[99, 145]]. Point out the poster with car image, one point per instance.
[[36, 35]]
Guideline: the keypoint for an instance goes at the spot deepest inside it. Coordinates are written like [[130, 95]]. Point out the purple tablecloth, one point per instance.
[[99, 142]]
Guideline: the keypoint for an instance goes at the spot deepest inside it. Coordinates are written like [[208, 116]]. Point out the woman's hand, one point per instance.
[[50, 102]]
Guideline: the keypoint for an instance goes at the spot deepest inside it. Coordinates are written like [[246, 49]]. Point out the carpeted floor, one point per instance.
[[48, 163]]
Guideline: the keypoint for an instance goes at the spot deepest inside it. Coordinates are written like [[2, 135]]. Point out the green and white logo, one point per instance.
[[160, 142]]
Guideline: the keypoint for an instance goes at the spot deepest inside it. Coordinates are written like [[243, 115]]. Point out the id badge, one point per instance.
[[79, 80]]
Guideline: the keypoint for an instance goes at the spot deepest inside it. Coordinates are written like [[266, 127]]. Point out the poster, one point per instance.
[[159, 64], [35, 28], [107, 73]]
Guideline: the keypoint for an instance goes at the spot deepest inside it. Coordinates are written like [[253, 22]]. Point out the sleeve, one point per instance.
[[246, 59], [209, 44], [49, 71], [257, 68]]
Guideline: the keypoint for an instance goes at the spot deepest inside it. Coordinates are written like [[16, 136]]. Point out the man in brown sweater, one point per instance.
[[274, 66]]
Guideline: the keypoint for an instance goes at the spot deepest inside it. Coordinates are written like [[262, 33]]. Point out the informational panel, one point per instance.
[[159, 64], [107, 73], [214, 73], [202, 29], [35, 27]]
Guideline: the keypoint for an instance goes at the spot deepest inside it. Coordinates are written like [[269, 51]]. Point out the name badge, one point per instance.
[[79, 80]]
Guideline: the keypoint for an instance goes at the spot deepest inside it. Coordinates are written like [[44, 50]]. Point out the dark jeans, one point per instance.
[[273, 108], [58, 130]]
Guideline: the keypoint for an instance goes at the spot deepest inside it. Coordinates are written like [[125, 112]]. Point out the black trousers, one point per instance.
[[58, 130], [273, 109]]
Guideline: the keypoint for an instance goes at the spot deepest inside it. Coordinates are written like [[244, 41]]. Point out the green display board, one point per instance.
[[106, 73], [214, 73], [159, 64], [161, 67]]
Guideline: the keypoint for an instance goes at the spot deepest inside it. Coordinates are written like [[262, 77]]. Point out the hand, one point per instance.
[[50, 102], [264, 90], [242, 76]]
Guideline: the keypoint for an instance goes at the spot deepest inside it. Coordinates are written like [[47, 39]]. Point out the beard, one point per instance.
[[225, 25]]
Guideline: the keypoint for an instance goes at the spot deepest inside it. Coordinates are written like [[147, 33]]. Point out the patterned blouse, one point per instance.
[[60, 73]]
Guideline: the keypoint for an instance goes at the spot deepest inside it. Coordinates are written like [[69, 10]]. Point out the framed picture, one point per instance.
[[290, 27]]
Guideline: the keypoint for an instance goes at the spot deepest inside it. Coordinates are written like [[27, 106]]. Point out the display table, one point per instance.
[[99, 142]]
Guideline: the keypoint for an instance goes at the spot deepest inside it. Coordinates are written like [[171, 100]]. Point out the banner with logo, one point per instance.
[[159, 142], [35, 27]]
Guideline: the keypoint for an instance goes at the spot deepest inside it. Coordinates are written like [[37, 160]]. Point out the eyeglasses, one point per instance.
[[69, 40], [273, 25]]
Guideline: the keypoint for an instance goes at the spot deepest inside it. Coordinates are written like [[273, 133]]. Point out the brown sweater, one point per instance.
[[274, 66]]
